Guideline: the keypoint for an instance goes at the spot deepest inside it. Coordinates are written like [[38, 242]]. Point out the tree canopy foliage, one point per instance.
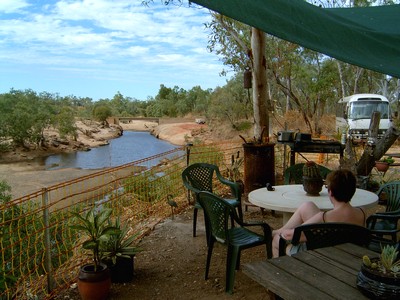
[[297, 79]]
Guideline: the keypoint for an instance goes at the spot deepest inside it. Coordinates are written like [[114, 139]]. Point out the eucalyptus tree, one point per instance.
[[294, 73], [65, 122], [354, 79], [25, 115], [241, 48], [231, 102], [102, 111], [197, 101], [153, 108], [119, 104]]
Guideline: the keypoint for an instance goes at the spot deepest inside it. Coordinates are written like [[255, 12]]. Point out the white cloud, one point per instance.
[[109, 36], [11, 6]]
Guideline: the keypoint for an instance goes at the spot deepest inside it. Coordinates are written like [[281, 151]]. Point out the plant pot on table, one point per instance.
[[312, 185], [377, 285]]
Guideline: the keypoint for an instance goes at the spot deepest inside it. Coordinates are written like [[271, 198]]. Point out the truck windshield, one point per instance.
[[364, 109]]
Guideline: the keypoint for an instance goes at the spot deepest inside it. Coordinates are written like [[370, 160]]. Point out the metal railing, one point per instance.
[[41, 254]]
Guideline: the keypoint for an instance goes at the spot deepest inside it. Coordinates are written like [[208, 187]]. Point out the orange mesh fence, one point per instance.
[[41, 254]]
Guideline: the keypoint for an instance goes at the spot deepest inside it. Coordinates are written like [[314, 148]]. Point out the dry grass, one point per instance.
[[293, 120]]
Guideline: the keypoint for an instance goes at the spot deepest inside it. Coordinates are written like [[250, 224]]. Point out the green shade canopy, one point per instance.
[[368, 37]]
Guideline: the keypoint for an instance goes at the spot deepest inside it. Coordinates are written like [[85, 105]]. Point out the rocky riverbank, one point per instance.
[[25, 174]]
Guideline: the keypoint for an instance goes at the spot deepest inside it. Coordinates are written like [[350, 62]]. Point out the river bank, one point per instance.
[[25, 174], [93, 134]]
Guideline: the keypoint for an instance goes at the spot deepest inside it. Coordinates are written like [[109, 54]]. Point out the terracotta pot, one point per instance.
[[94, 285], [376, 285], [312, 185], [381, 166]]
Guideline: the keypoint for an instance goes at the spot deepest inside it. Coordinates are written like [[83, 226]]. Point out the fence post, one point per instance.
[[188, 145], [47, 240]]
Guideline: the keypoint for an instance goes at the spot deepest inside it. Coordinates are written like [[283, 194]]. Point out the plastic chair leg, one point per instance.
[[231, 266], [240, 212], [194, 221], [209, 253]]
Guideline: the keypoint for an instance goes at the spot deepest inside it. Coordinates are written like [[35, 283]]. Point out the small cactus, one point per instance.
[[388, 261], [311, 169], [366, 261]]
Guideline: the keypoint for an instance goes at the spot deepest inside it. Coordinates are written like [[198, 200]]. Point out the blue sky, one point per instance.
[[96, 48]]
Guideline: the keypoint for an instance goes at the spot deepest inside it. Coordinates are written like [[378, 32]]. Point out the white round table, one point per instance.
[[287, 198]]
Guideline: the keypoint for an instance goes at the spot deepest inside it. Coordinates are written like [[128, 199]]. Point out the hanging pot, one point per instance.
[[94, 285]]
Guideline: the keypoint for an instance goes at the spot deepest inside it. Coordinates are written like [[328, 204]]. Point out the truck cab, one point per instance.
[[354, 113]]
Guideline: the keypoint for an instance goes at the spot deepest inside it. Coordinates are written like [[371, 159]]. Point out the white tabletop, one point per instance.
[[287, 198]]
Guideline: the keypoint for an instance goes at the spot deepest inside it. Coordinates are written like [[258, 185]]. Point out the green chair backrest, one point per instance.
[[217, 215], [199, 176], [392, 191], [294, 174], [321, 235]]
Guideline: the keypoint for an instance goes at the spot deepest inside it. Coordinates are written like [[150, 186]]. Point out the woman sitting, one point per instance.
[[341, 186]]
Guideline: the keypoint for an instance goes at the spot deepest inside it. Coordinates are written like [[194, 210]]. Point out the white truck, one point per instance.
[[353, 115]]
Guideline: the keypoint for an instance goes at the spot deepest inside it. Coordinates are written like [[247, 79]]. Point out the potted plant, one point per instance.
[[94, 278], [118, 253], [379, 276], [312, 179], [383, 164]]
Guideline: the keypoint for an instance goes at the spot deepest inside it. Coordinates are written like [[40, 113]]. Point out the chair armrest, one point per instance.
[[252, 223], [377, 243], [387, 213], [267, 231], [266, 228], [371, 220], [233, 185], [283, 243], [190, 187]]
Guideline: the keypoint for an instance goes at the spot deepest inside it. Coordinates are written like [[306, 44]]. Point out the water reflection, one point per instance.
[[130, 147]]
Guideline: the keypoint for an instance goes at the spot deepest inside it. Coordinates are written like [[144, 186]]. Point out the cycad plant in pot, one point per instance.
[[312, 179], [379, 277], [118, 253], [94, 278]]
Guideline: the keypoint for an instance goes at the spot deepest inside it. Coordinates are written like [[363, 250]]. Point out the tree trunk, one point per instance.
[[373, 153], [374, 127], [261, 117]]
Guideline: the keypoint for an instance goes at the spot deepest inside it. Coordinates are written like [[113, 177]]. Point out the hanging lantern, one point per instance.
[[247, 76]]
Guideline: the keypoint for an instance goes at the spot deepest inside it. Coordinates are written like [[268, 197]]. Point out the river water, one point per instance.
[[131, 146]]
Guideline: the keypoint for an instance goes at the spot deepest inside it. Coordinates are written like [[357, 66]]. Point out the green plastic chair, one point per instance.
[[294, 174], [321, 235], [387, 223], [217, 214], [199, 177]]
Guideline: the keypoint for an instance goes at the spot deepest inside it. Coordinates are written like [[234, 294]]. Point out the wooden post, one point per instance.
[[374, 127], [260, 108]]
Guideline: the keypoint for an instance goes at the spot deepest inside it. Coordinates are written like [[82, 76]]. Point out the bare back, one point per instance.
[[348, 214]]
